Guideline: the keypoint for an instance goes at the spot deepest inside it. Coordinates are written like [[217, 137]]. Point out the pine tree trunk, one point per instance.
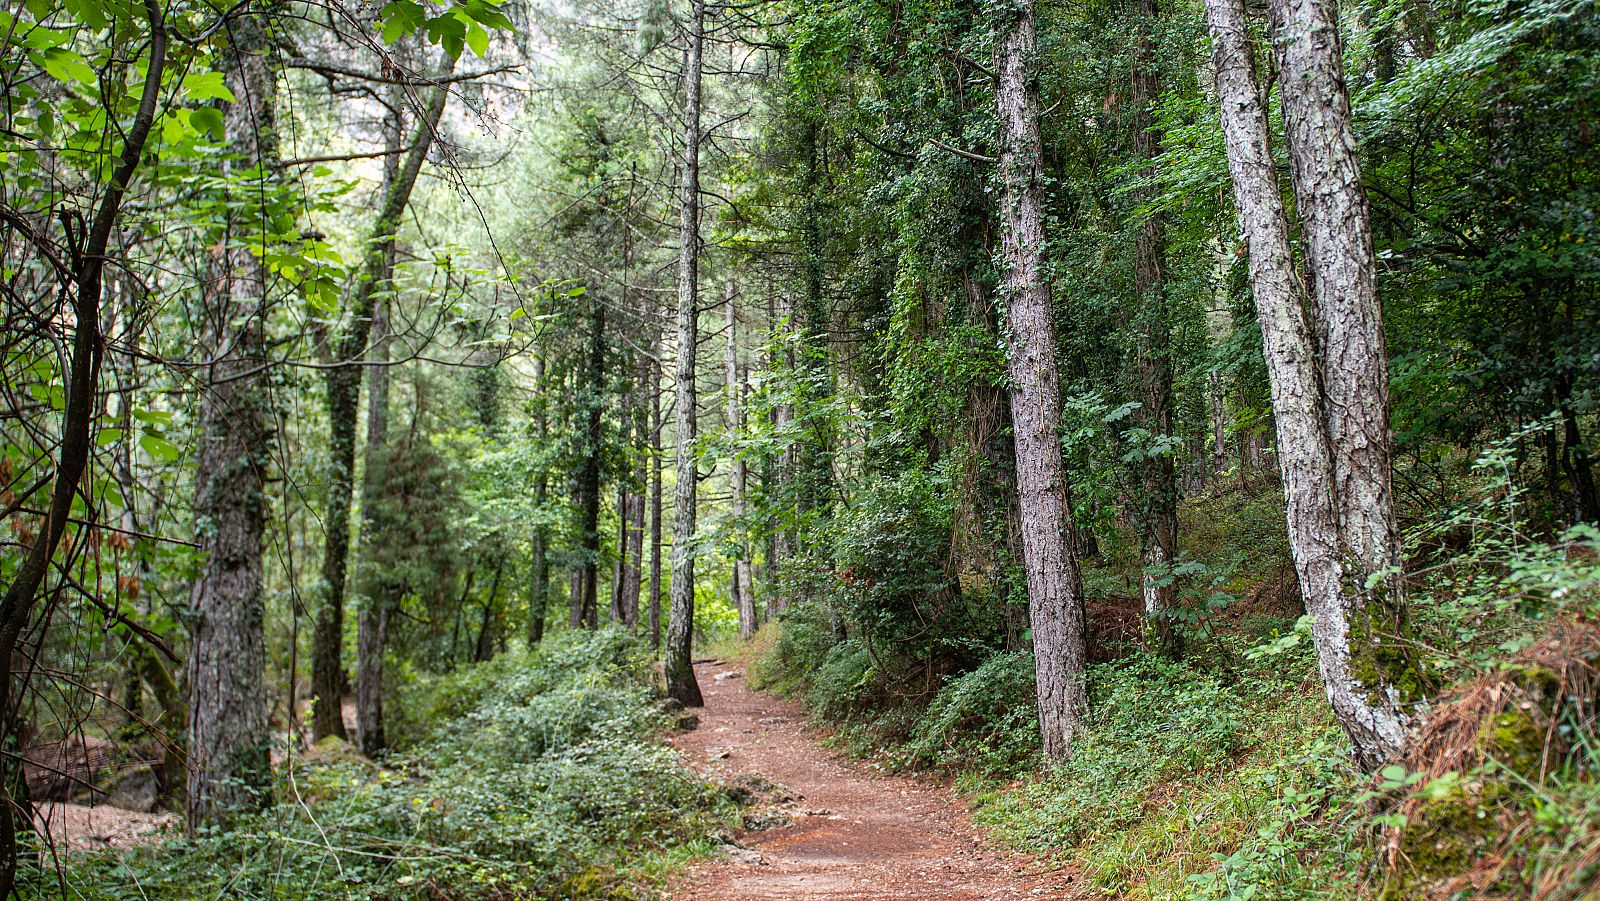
[[743, 594], [681, 684], [229, 768], [655, 498], [343, 399], [1055, 602], [1367, 709]]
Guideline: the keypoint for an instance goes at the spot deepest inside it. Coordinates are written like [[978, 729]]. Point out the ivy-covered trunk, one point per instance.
[[681, 684], [1055, 602], [229, 770], [1339, 514], [343, 398]]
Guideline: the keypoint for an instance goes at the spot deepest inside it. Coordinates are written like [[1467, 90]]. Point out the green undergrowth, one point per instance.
[[531, 776], [1222, 774]]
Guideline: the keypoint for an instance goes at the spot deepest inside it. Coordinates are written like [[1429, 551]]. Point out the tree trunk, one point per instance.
[[343, 397], [372, 620], [229, 769], [1158, 508], [539, 593], [589, 477], [743, 594], [655, 499], [1055, 602], [1347, 322], [1352, 664], [634, 510], [681, 684]]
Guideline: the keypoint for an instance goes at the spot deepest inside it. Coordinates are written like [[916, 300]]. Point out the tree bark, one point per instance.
[[655, 499], [1055, 602], [681, 684], [1350, 648], [539, 593], [743, 594], [229, 769], [589, 478], [343, 398], [372, 620]]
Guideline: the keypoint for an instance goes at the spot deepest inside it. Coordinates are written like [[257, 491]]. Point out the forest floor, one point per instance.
[[839, 830]]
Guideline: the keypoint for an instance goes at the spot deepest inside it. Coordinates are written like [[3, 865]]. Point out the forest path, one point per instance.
[[857, 834]]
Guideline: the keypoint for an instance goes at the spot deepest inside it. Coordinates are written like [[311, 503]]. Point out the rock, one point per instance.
[[139, 790], [748, 856], [688, 722], [718, 753], [723, 677], [772, 720], [767, 819]]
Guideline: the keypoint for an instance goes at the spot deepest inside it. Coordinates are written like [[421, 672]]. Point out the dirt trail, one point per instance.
[[857, 834]]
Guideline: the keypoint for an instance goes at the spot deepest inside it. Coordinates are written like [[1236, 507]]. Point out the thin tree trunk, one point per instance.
[[372, 619], [539, 594], [344, 393], [1158, 508], [681, 684], [743, 594], [1365, 709], [1055, 602], [229, 770], [589, 478], [634, 510], [655, 500]]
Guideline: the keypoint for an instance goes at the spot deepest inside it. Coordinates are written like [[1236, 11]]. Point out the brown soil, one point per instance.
[[76, 827], [857, 834]]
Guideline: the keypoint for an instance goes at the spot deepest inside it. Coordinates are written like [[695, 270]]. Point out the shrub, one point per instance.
[[541, 778]]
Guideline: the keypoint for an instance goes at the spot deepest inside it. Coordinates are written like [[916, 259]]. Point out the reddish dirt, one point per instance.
[[857, 834]]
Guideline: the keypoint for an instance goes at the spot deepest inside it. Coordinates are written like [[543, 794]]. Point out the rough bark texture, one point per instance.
[[681, 684], [343, 398], [1055, 602], [229, 771], [655, 499], [1367, 713], [1157, 513], [1347, 322], [744, 600], [372, 620]]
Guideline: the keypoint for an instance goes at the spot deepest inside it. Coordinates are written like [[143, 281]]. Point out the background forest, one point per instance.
[[1173, 420]]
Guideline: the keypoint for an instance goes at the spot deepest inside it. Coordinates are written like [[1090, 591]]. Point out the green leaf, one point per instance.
[[107, 437], [400, 18], [477, 39], [207, 120], [65, 65], [159, 447], [448, 32], [207, 86]]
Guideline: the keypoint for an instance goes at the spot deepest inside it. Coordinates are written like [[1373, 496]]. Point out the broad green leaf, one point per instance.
[[158, 447], [207, 86]]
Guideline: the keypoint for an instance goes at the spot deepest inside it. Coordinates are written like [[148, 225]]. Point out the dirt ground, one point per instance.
[[78, 827], [856, 834]]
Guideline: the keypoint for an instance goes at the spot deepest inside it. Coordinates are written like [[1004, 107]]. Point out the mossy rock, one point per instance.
[[1443, 837], [1515, 740]]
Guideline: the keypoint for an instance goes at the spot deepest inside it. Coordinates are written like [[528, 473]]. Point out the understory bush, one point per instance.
[[541, 778]]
